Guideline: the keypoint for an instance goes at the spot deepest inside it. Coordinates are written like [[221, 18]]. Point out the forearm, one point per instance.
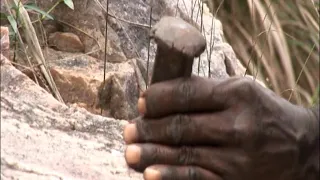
[[310, 152]]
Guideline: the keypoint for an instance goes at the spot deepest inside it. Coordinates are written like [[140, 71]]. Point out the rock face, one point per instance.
[[4, 41], [44, 139], [79, 78], [127, 46]]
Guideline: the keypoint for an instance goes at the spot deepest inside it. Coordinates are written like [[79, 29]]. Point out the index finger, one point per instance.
[[195, 94]]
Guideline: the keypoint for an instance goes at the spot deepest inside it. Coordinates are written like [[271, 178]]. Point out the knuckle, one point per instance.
[[183, 92], [144, 131], [247, 132], [246, 85], [193, 174], [244, 160], [244, 89], [176, 130], [186, 155], [152, 154]]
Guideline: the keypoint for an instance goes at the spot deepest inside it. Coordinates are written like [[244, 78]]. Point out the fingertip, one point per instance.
[[142, 94], [132, 154], [130, 134], [151, 174], [142, 105]]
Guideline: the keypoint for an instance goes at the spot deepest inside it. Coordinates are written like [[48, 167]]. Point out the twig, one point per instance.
[[105, 49], [177, 6], [21, 42], [137, 70], [300, 74], [148, 61], [129, 22], [35, 49], [201, 25], [120, 19], [70, 25]]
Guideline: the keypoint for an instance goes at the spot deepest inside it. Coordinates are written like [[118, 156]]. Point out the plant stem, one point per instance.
[[51, 9]]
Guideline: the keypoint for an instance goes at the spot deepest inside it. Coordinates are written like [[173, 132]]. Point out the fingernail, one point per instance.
[[130, 134], [152, 174], [142, 105], [133, 154], [142, 94]]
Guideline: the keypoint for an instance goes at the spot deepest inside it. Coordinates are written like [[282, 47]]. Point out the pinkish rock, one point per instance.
[[65, 41], [42, 138]]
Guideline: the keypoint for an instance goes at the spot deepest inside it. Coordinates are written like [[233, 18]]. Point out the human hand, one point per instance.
[[231, 129]]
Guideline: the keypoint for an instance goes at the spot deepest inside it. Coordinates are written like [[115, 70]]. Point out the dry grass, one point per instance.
[[32, 46], [278, 41]]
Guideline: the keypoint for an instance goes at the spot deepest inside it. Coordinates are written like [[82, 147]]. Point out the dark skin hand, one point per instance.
[[233, 129]]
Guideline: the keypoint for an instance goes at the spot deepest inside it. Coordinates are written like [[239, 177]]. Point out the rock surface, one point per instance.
[[4, 41], [65, 41], [44, 139], [79, 78]]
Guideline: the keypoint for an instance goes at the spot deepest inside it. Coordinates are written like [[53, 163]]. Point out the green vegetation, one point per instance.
[[30, 8], [17, 14]]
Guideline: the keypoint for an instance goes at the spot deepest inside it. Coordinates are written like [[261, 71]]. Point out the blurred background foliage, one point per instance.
[[277, 41]]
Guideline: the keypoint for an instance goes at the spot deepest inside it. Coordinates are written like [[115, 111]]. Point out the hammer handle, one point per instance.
[[170, 65]]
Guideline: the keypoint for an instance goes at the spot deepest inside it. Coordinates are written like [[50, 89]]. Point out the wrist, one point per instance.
[[309, 145]]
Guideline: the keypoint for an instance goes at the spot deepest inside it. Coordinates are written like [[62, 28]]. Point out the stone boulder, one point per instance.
[[79, 78], [42, 138]]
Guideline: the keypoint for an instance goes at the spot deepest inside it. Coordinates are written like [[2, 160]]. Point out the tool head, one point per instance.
[[178, 43], [177, 35]]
